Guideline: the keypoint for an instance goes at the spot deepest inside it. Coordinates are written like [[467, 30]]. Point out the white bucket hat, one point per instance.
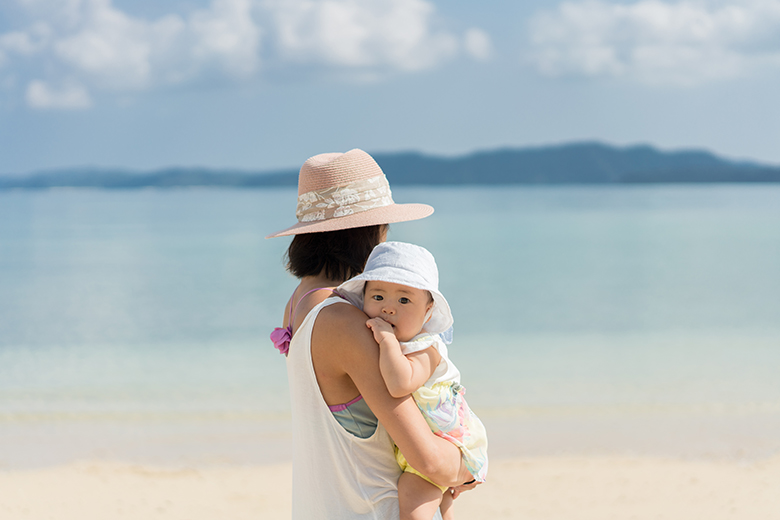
[[404, 264]]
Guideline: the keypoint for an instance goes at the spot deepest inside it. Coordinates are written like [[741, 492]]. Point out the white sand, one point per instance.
[[547, 488]]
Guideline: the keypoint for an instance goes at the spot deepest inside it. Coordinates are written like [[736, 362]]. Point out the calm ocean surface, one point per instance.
[[129, 312]]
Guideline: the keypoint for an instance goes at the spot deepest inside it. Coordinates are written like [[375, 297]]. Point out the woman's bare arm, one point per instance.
[[346, 359]]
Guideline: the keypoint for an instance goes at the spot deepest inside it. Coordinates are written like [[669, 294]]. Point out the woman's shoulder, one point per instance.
[[342, 345], [342, 323]]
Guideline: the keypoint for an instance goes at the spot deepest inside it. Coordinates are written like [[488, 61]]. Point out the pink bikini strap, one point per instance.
[[293, 312], [281, 336]]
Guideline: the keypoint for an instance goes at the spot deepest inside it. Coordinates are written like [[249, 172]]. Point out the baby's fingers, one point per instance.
[[374, 324]]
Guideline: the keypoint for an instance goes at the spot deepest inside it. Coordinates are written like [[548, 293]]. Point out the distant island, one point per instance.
[[576, 163]]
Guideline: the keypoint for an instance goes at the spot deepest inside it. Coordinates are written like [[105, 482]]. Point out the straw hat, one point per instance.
[[344, 191], [405, 264]]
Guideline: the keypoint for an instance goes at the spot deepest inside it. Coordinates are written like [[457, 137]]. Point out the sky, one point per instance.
[[264, 84]]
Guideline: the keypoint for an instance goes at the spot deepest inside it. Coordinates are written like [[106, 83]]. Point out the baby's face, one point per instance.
[[401, 306]]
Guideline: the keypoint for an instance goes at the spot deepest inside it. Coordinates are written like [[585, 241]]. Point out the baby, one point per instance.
[[399, 291]]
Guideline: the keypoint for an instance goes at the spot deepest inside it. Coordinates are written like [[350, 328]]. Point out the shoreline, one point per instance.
[[728, 436], [551, 488], [544, 466]]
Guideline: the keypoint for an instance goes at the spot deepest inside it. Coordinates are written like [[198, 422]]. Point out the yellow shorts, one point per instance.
[[399, 457]]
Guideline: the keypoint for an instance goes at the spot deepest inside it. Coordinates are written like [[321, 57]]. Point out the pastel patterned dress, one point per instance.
[[442, 402]]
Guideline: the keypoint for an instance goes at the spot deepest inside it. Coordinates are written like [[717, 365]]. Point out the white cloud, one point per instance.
[[96, 45], [111, 47], [687, 42], [69, 96], [227, 34], [23, 43], [19, 42], [399, 34], [126, 53], [107, 49], [478, 45]]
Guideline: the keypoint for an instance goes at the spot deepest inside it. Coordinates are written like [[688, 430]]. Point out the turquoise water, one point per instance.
[[129, 312]]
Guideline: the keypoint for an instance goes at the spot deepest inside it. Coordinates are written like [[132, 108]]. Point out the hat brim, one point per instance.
[[384, 215]]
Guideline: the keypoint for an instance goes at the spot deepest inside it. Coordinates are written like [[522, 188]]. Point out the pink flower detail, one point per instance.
[[281, 338]]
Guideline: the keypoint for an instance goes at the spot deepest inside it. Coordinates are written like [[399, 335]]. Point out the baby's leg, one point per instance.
[[417, 498], [447, 511]]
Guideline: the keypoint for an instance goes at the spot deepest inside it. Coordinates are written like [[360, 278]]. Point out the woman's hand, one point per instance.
[[457, 490]]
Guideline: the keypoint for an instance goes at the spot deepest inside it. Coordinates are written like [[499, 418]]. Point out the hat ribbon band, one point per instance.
[[340, 201]]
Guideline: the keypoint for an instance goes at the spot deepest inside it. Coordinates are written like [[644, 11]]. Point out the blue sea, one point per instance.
[[134, 324]]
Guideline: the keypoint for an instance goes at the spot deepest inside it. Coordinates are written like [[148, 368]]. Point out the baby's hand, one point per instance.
[[381, 329]]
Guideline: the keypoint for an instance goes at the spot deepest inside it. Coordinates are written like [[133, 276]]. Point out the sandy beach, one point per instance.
[[548, 488], [547, 467]]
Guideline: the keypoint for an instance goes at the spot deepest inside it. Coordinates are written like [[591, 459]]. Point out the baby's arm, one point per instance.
[[402, 374]]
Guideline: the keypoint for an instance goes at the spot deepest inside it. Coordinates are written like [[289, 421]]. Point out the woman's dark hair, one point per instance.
[[339, 255]]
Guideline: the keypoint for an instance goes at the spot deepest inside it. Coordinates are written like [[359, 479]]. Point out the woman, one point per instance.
[[343, 459]]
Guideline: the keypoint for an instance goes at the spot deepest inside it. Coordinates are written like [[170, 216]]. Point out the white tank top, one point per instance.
[[335, 474]]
